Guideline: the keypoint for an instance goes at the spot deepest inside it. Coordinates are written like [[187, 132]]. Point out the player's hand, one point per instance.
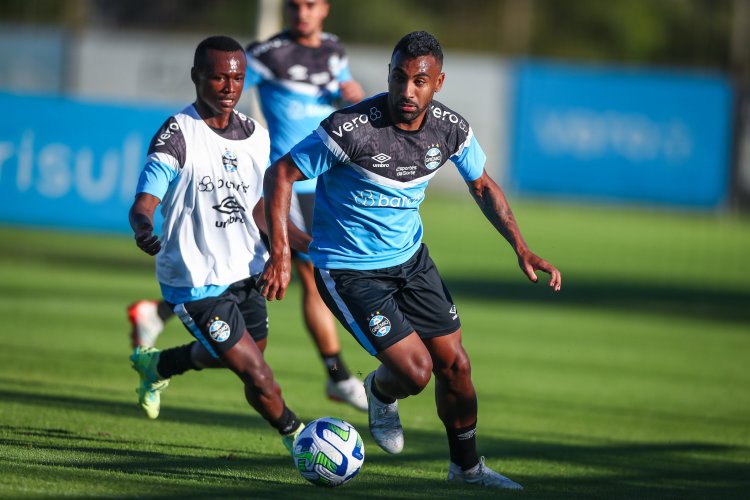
[[275, 278], [530, 263], [147, 241]]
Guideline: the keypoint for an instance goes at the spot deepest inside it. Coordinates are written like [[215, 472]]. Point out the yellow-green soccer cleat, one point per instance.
[[288, 439], [144, 361]]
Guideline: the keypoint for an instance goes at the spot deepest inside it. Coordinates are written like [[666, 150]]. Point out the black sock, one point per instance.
[[336, 368], [287, 422], [175, 361], [462, 444], [381, 397]]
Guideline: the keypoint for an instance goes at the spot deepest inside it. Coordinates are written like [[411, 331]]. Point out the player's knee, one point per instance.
[[457, 371], [258, 378], [419, 375]]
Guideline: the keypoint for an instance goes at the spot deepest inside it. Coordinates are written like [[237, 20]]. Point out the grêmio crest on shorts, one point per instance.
[[372, 177]]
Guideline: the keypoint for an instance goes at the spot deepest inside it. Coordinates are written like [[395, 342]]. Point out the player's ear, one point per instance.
[[439, 83], [194, 75]]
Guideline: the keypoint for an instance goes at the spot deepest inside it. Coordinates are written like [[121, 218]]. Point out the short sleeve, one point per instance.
[[470, 158], [156, 175], [312, 156]]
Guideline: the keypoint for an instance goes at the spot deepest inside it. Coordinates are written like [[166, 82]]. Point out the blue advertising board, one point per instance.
[[621, 134], [72, 164]]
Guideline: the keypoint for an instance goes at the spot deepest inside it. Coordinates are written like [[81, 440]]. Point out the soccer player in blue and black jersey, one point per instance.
[[373, 162]]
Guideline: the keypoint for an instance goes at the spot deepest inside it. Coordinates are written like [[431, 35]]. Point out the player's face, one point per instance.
[[219, 81], [411, 85], [305, 17]]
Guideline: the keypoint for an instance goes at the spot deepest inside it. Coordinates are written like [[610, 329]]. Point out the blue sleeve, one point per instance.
[[312, 156], [470, 159], [155, 178]]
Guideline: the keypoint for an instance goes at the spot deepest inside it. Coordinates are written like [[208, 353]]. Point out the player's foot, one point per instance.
[[349, 391], [144, 361], [288, 439], [481, 475], [147, 325], [385, 425]]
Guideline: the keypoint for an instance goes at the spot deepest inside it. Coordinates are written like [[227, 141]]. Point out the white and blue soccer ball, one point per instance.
[[329, 452]]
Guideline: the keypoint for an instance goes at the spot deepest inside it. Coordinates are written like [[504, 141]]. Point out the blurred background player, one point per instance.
[[300, 74], [371, 266], [210, 249]]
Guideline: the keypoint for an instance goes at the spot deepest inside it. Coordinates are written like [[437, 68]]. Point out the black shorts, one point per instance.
[[219, 322], [382, 306]]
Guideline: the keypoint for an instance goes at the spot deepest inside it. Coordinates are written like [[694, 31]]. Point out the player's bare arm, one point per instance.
[[352, 91], [277, 189], [298, 239], [142, 221], [491, 200]]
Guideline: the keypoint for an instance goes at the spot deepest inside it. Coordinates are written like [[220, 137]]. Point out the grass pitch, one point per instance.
[[630, 383]]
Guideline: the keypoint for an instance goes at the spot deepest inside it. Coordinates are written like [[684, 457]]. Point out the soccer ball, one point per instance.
[[329, 452]]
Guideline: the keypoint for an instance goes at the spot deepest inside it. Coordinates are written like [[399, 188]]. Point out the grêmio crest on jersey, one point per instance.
[[365, 136]]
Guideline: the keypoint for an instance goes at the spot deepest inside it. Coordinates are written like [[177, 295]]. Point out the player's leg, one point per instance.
[[156, 367], [341, 385], [147, 318], [456, 402], [261, 390], [429, 306], [363, 302]]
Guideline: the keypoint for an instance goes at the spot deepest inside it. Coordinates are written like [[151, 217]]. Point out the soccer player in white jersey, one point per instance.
[[205, 168], [300, 74], [373, 161]]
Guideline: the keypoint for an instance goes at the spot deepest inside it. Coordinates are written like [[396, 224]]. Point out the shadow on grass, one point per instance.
[[711, 305], [617, 470], [183, 415], [151, 469]]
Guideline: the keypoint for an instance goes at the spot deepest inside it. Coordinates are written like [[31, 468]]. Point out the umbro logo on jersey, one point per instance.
[[229, 205], [381, 159], [297, 72]]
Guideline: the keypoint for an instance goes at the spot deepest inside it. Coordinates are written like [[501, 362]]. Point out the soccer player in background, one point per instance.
[[300, 74], [373, 161], [205, 167]]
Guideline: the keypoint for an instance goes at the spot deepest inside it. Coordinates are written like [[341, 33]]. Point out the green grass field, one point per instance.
[[633, 382]]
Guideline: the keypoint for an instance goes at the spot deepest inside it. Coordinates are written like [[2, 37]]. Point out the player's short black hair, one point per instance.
[[417, 44], [218, 42]]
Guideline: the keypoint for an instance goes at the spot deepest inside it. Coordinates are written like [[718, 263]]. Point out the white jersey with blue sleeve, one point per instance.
[[297, 87], [208, 182], [372, 178]]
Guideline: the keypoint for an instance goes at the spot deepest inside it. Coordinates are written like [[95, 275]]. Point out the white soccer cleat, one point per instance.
[[481, 475], [385, 425], [146, 323], [349, 391]]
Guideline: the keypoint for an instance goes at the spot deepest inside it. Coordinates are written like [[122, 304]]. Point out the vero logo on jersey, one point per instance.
[[168, 132], [351, 125]]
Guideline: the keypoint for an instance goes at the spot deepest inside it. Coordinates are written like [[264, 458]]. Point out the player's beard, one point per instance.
[[406, 116]]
